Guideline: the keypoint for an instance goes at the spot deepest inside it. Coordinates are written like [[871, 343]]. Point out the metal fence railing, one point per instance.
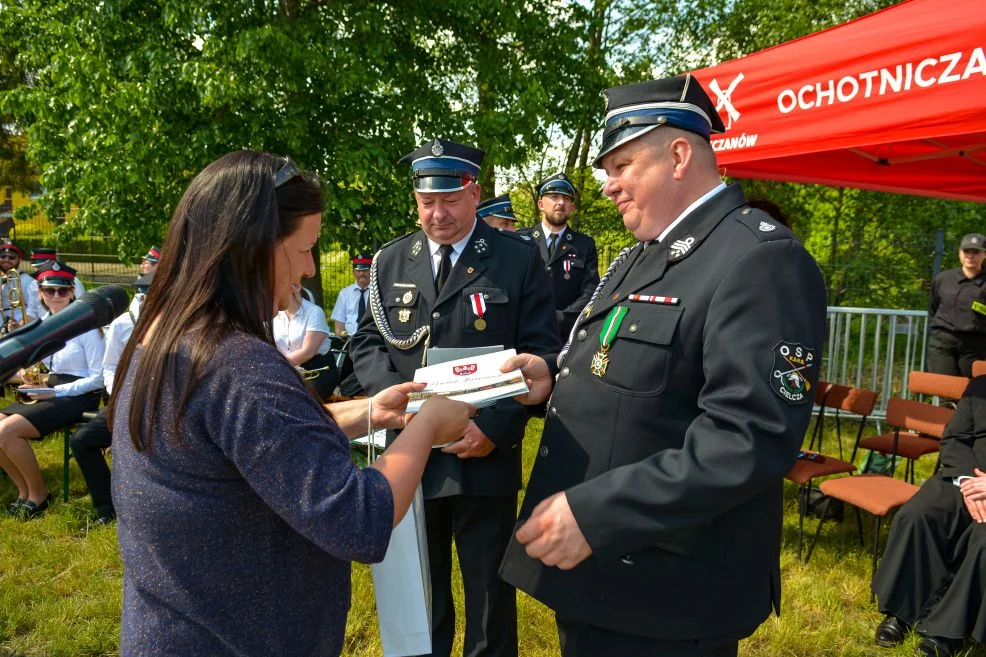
[[874, 348]]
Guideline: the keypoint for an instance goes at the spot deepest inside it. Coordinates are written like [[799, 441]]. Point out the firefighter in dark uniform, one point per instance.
[[652, 520], [958, 312], [569, 256], [933, 573], [498, 212], [460, 283]]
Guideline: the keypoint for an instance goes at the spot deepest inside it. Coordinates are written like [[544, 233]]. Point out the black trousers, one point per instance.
[[933, 572], [482, 528], [88, 444], [581, 640], [953, 353]]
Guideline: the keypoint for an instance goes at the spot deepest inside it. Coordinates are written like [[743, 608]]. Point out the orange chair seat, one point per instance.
[[877, 494], [804, 470], [910, 445]]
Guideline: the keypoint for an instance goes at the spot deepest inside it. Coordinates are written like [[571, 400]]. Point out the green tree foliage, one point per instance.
[[130, 98]]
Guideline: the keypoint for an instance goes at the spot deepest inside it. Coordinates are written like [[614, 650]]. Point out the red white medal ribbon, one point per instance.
[[567, 265], [478, 304], [649, 298]]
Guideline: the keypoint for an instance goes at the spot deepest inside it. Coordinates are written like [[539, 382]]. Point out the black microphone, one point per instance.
[[29, 344]]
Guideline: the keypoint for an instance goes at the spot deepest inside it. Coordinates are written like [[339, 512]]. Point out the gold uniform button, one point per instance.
[[583, 335], [633, 328]]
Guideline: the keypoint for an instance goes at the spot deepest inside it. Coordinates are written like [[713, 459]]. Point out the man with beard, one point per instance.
[[569, 256], [10, 259]]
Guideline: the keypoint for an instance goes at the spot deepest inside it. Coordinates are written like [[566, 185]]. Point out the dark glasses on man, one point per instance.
[[286, 173], [56, 291], [7, 255]]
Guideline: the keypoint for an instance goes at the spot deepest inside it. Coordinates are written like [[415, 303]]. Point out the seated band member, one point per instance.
[[301, 333], [72, 388], [89, 442], [10, 260], [239, 507], [41, 259], [931, 576]]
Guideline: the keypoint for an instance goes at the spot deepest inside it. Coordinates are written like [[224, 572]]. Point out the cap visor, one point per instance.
[[440, 184], [619, 138]]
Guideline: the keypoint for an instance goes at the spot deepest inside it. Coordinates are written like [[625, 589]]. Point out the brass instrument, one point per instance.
[[36, 375], [16, 296], [311, 375]]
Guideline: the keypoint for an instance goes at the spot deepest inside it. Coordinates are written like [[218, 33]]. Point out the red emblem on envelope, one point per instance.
[[464, 370]]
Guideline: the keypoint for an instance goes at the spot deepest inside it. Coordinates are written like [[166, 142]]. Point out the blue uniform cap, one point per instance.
[[441, 165], [633, 110], [557, 184], [499, 206]]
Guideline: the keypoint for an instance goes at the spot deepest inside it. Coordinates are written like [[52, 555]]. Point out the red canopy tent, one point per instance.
[[894, 101]]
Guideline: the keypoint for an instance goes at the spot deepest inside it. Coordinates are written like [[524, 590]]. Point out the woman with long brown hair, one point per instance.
[[239, 508]]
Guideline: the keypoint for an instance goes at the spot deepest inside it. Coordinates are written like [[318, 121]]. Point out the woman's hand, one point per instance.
[[537, 375], [389, 405], [448, 418]]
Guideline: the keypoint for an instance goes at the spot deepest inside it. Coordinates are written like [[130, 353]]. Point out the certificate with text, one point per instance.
[[476, 380]]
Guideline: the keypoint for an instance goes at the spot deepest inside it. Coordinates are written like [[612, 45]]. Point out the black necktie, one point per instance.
[[361, 309], [444, 267], [552, 240]]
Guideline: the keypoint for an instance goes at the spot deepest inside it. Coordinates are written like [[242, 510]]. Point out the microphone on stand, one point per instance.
[[29, 344]]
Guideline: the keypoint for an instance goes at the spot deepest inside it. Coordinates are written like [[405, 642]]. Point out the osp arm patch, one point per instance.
[[791, 373]]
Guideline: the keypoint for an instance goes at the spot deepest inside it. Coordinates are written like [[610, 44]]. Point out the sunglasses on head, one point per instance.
[[56, 291], [286, 173]]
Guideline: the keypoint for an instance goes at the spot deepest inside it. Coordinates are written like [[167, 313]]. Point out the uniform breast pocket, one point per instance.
[[577, 263], [485, 310], [640, 356], [401, 307]]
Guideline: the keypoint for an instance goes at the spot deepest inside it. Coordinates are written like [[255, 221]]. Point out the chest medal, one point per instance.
[[611, 326]]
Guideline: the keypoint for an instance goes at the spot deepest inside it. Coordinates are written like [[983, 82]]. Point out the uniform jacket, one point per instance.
[[954, 300], [673, 460], [962, 449], [572, 286], [506, 269]]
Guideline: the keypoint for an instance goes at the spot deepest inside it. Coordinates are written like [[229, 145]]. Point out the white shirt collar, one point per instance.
[[551, 229], [699, 201]]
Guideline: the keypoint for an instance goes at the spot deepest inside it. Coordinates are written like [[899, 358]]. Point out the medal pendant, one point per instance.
[[404, 315], [600, 361], [567, 276], [479, 324]]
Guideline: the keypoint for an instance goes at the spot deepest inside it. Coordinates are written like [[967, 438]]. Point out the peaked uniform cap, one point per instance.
[[362, 261], [499, 206], [633, 110], [7, 245], [440, 165], [53, 273], [557, 184], [153, 254], [44, 253], [973, 241]]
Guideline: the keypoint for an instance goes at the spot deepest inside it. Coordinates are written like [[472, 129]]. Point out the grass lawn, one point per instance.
[[60, 584]]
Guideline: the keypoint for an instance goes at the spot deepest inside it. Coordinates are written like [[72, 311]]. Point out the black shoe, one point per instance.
[[30, 510], [105, 519], [891, 631], [938, 646], [15, 507]]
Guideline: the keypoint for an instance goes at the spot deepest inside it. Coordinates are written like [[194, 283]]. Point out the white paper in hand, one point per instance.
[[476, 380]]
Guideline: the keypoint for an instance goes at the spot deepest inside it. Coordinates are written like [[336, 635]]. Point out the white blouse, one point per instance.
[[289, 333], [81, 356]]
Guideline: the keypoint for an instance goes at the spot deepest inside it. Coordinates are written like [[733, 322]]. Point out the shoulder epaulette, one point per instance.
[[397, 239], [518, 236], [762, 225]]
